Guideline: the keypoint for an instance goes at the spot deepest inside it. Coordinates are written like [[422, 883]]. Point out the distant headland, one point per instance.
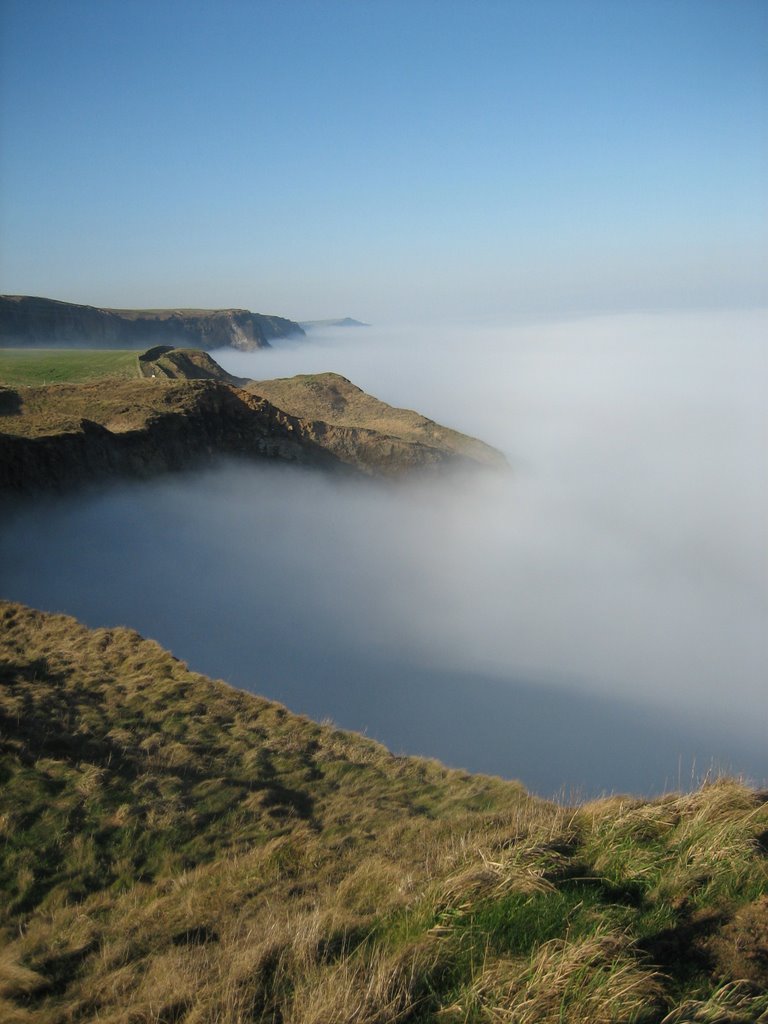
[[28, 320]]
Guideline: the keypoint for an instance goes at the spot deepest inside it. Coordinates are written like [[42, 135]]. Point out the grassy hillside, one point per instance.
[[176, 850], [21, 367]]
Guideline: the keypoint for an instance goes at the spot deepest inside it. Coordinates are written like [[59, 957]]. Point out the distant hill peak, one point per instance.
[[346, 321]]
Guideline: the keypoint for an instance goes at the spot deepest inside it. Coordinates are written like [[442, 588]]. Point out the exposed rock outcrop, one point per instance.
[[27, 320]]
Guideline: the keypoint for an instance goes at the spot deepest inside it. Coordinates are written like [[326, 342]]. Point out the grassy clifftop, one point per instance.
[[28, 367], [172, 408], [174, 850]]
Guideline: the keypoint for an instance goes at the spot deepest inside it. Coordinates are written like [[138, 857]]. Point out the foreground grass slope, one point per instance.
[[176, 850]]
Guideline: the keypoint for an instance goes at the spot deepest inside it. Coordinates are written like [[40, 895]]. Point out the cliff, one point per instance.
[[62, 436], [185, 411], [27, 320]]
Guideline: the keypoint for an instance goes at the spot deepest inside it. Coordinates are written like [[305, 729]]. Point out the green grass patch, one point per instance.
[[519, 922], [21, 367]]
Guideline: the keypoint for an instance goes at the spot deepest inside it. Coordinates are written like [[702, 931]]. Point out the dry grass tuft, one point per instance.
[[373, 988], [734, 1003], [521, 869], [15, 978], [598, 980]]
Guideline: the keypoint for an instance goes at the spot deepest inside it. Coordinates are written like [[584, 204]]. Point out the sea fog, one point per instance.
[[594, 620]]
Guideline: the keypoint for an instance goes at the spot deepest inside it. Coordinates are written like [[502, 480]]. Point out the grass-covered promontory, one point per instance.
[[172, 849], [111, 415]]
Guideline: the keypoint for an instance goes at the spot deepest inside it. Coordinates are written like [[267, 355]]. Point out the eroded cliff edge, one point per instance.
[[28, 320]]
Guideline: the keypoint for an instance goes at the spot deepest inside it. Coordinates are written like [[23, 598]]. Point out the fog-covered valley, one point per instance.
[[593, 620]]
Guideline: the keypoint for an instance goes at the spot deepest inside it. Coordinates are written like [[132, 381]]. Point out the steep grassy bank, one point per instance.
[[175, 850]]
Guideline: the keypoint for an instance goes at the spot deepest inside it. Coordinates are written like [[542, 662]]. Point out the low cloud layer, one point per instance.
[[595, 619]]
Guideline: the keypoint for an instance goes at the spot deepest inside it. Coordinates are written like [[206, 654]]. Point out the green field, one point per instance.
[[21, 367]]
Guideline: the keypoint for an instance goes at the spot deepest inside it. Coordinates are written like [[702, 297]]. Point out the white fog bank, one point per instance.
[[598, 618], [630, 545]]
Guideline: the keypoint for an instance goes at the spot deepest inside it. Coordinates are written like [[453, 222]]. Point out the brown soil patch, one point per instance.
[[740, 948]]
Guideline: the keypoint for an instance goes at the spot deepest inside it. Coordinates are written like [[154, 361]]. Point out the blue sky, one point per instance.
[[385, 160]]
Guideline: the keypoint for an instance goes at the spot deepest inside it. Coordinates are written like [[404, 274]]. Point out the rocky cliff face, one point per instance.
[[30, 321], [188, 424], [142, 428]]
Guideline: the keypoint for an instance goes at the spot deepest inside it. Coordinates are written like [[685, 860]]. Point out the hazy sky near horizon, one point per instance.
[[385, 160]]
